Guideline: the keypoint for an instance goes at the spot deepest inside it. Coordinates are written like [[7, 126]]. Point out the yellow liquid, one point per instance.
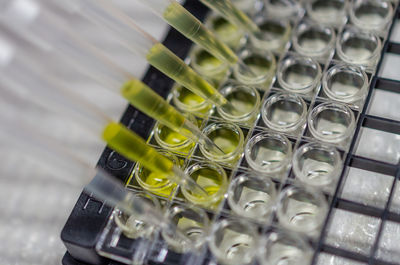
[[153, 182], [227, 32], [206, 61], [133, 147], [212, 182], [173, 141], [209, 66], [178, 17], [187, 101], [223, 29], [226, 139], [189, 98], [171, 65]]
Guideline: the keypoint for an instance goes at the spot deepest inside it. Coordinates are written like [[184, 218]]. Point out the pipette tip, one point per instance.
[[213, 145], [244, 68], [198, 135], [190, 183], [228, 107]]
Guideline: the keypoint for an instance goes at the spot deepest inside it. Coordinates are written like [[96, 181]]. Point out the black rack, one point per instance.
[[90, 216]]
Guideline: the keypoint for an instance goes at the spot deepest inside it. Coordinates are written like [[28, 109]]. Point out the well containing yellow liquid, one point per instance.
[[186, 101], [229, 137], [212, 178], [154, 182]]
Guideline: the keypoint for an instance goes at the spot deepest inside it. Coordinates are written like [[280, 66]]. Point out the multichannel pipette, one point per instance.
[[107, 74], [187, 24], [135, 39], [73, 171], [237, 17], [19, 73]]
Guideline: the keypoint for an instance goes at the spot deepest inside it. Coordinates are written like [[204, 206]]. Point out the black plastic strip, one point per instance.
[[394, 47], [384, 216], [344, 253], [381, 124], [373, 165], [394, 217], [352, 255], [359, 208], [388, 85]]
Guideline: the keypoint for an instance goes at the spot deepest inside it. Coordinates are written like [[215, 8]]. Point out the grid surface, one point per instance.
[[378, 219]]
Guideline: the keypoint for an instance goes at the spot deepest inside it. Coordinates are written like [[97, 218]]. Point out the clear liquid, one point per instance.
[[358, 53], [236, 246], [131, 226], [287, 255], [345, 84], [344, 90], [266, 157], [191, 229], [284, 113], [299, 76], [317, 172], [254, 202], [329, 11], [178, 17], [371, 18], [255, 69], [268, 154], [313, 41], [331, 128], [332, 124], [301, 213], [188, 234], [359, 50], [371, 15], [136, 226]]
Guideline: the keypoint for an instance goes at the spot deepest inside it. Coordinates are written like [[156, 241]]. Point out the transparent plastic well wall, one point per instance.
[[354, 228]]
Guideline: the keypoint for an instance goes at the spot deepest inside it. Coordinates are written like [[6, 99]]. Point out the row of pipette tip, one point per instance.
[[32, 77]]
